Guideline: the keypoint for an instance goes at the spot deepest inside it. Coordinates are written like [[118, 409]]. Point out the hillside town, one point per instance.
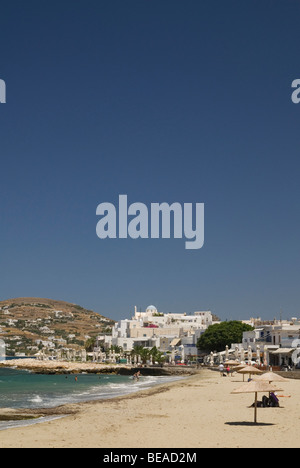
[[31, 326], [174, 336], [271, 343]]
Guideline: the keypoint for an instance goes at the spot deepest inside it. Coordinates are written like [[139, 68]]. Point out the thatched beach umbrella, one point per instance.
[[249, 370], [232, 363], [239, 367], [255, 387], [271, 377]]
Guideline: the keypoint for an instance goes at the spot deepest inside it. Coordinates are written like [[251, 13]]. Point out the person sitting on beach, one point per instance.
[[274, 402], [270, 402]]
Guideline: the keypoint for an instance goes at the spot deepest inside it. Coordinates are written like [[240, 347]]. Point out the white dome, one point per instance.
[[151, 308]]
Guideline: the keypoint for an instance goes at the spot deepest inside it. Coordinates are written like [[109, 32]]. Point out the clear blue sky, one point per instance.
[[162, 100]]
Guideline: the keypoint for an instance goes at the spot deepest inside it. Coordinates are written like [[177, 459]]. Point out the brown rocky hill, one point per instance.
[[28, 324]]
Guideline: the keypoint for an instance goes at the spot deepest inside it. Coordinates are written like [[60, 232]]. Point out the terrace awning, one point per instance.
[[175, 342], [283, 351]]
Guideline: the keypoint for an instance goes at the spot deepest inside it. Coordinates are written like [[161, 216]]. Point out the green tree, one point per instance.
[[90, 344], [157, 356], [146, 353], [217, 336], [116, 349], [136, 351]]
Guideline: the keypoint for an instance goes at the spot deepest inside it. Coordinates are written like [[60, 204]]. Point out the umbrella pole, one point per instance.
[[255, 408]]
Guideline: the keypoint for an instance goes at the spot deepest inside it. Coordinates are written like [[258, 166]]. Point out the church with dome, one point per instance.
[[169, 332], [150, 312]]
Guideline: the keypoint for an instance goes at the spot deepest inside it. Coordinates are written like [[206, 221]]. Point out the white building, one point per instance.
[[275, 343], [153, 328]]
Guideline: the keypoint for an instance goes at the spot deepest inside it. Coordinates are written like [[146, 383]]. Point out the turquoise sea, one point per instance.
[[24, 389]]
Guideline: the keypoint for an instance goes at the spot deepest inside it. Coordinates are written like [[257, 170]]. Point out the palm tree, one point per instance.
[[116, 349], [90, 344], [157, 356], [143, 353], [146, 353]]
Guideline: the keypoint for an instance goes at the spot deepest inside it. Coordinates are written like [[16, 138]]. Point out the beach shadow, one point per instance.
[[247, 423], [267, 407]]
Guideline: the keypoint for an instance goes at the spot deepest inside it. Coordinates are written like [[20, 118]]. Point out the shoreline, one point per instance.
[[30, 414], [196, 412], [73, 409], [36, 416], [64, 367]]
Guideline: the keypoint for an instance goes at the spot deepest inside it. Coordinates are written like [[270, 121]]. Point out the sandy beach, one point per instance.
[[196, 412]]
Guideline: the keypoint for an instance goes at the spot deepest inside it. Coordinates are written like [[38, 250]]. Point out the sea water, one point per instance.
[[24, 389]]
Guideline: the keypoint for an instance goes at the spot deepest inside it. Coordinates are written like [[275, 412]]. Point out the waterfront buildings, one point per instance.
[[175, 334], [271, 344], [275, 343]]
